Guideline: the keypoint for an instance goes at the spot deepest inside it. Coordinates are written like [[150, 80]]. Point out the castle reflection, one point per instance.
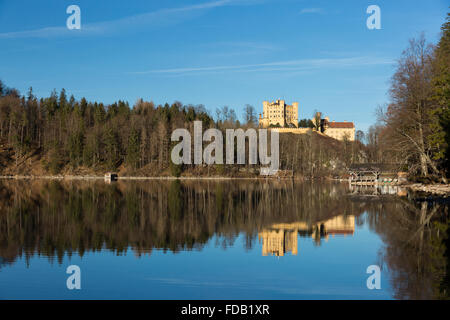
[[282, 238]]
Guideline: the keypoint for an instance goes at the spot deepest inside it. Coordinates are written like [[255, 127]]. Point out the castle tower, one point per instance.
[[279, 113], [295, 113]]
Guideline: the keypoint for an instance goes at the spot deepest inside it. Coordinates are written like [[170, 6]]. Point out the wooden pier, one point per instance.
[[373, 174]]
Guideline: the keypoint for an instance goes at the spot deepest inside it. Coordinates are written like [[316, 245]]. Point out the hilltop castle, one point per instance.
[[280, 114], [284, 118]]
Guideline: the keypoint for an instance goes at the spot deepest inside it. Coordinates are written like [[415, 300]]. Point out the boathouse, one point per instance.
[[373, 173]]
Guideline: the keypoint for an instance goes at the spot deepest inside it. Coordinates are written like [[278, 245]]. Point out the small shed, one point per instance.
[[111, 176]]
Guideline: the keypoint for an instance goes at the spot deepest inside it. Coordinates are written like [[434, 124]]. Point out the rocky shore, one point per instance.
[[434, 189]]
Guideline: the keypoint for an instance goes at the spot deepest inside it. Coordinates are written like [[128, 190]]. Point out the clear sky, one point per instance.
[[215, 52]]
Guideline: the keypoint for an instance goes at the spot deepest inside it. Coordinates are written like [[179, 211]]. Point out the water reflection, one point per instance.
[[416, 240], [377, 190], [57, 218], [281, 238]]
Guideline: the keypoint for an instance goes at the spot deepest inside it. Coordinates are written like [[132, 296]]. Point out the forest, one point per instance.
[[61, 135]]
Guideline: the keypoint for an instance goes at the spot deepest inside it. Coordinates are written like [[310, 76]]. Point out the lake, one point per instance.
[[219, 239]]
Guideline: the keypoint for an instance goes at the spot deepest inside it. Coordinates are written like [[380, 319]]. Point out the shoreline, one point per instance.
[[433, 189], [442, 190], [70, 177]]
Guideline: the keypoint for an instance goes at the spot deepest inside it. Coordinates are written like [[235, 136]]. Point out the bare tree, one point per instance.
[[317, 120], [250, 115], [360, 136], [407, 118]]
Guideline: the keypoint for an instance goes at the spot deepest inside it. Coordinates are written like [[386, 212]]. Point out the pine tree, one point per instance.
[[112, 148], [133, 149], [440, 138], [76, 144]]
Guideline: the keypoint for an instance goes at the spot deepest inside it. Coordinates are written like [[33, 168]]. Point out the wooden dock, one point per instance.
[[374, 174]]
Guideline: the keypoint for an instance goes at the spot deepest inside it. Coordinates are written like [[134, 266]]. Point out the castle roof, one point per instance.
[[341, 125]]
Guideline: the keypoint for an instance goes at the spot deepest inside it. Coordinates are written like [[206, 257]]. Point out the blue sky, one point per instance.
[[215, 52]]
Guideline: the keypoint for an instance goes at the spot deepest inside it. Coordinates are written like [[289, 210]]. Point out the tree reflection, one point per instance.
[[52, 218], [58, 218], [416, 246]]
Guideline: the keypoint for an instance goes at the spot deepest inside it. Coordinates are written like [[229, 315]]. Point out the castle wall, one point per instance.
[[293, 130], [341, 133]]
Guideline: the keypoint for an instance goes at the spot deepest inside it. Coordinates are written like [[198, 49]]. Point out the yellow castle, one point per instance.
[[278, 113]]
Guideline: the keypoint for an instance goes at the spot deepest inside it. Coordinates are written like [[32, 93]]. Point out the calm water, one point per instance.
[[218, 240]]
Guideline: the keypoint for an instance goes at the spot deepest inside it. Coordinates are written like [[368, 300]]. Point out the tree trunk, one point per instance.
[[423, 165]]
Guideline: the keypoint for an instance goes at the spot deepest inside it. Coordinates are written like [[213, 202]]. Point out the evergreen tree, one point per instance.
[[112, 148], [440, 138], [75, 146], [133, 149]]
